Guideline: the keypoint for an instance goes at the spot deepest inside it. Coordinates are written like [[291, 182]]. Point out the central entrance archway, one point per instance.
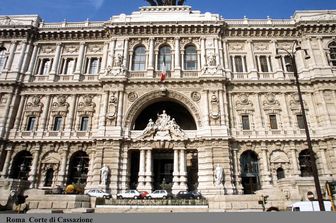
[[163, 167], [181, 115]]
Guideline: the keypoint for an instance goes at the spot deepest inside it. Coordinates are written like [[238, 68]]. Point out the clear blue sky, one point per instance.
[[98, 10]]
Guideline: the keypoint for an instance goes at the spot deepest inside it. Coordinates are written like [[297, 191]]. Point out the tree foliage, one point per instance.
[[165, 2]]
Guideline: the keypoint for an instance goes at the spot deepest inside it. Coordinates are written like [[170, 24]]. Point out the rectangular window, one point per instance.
[[263, 64], [31, 123], [45, 66], [84, 125], [246, 122], [273, 122], [3, 59], [238, 64], [288, 64], [57, 123], [94, 65], [300, 122]]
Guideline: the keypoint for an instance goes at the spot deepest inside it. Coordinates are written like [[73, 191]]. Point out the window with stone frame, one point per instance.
[[44, 66], [84, 123], [190, 58], [332, 53], [31, 123], [273, 121], [238, 64], [165, 57], [305, 163], [3, 59], [286, 63], [264, 63], [93, 65], [57, 125], [68, 66], [300, 122], [245, 122], [139, 59]]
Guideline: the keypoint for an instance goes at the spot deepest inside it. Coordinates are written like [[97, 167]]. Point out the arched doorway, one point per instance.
[[249, 172], [78, 168], [21, 165]]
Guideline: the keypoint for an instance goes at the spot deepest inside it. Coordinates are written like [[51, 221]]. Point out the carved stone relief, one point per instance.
[[60, 107], [48, 49], [195, 96], [86, 106], [270, 103], [132, 96], [214, 109], [95, 48], [236, 46], [243, 103], [112, 108], [71, 49]]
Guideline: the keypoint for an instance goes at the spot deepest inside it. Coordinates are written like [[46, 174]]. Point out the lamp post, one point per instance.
[[291, 54]]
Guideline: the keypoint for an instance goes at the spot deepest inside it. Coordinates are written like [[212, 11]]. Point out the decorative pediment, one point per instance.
[[164, 128], [9, 21], [270, 103], [87, 105], [279, 157], [51, 159], [60, 106], [35, 105], [243, 103], [294, 103]]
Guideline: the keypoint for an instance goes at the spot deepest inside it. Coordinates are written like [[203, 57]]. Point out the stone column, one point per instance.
[[148, 173], [141, 179], [11, 55], [9, 152], [125, 57], [312, 63], [223, 113], [64, 152], [183, 169], [226, 55], [150, 68], [251, 61], [4, 120], [70, 117], [33, 172], [80, 61], [203, 59], [102, 113], [276, 66], [266, 174], [21, 57], [32, 60], [56, 59], [43, 123], [322, 52], [110, 56], [176, 172], [294, 161], [120, 107], [104, 58], [326, 171], [218, 58], [19, 115], [177, 58], [239, 187]]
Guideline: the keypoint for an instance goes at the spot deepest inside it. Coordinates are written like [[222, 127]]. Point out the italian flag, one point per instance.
[[163, 72]]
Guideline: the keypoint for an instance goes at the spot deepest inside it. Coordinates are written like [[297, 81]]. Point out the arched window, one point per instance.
[[3, 58], [249, 172], [139, 59], [280, 173], [94, 65], [190, 58], [332, 53], [21, 165], [165, 58], [78, 167], [305, 163]]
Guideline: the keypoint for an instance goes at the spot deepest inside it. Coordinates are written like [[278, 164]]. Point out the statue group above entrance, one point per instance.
[[164, 128], [165, 2]]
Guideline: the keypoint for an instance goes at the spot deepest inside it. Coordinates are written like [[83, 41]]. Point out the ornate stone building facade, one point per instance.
[[75, 96]]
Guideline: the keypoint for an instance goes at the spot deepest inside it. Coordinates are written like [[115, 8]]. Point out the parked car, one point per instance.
[[159, 194], [188, 195], [134, 194], [143, 194], [309, 206], [98, 193]]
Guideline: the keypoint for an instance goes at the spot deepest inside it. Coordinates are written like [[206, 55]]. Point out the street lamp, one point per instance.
[[295, 48]]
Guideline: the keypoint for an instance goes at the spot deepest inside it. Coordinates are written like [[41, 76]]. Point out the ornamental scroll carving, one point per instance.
[[117, 68], [164, 128], [214, 112], [86, 106], [271, 104], [35, 105], [294, 103], [243, 104], [60, 106], [112, 108]]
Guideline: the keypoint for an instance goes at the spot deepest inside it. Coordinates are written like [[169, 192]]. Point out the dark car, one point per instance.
[[143, 194], [188, 195]]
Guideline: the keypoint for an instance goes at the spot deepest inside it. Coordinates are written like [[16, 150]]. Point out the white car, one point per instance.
[[129, 194], [98, 193], [158, 194]]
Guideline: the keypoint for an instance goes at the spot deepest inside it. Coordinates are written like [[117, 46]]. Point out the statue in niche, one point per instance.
[[214, 113], [117, 62], [104, 172], [165, 2], [211, 60], [219, 175], [112, 108]]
